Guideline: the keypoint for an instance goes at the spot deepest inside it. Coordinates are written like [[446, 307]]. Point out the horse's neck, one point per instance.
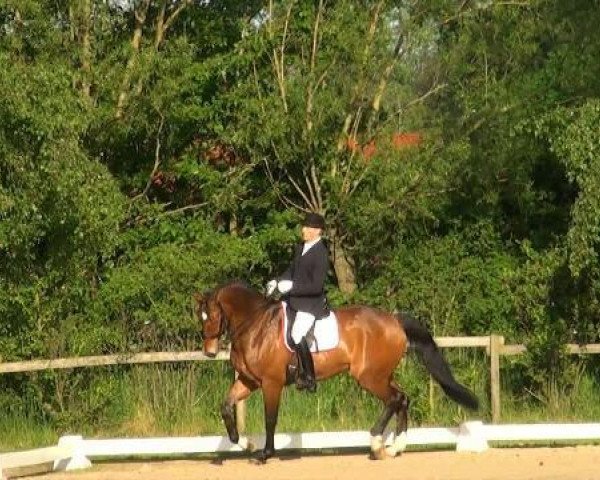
[[244, 320]]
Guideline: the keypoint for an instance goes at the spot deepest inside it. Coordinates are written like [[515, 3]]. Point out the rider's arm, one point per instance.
[[288, 274]]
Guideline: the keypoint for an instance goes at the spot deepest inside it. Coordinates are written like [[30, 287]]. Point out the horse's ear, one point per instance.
[[197, 297]]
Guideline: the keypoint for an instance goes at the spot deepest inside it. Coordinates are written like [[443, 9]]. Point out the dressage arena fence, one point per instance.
[[74, 452]]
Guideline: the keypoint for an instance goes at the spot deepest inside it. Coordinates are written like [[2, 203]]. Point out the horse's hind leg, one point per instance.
[[400, 438], [392, 398], [240, 390]]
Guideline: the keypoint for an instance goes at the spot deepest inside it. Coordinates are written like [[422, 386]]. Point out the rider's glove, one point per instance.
[[284, 286], [271, 286]]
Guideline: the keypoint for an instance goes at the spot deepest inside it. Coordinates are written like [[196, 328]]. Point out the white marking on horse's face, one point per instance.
[[204, 316]]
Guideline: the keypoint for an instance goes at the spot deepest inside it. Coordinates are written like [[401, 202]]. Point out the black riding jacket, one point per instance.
[[308, 273]]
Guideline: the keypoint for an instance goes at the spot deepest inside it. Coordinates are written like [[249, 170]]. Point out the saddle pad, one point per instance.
[[327, 335]]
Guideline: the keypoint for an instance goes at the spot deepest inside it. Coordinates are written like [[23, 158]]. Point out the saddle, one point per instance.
[[324, 334]]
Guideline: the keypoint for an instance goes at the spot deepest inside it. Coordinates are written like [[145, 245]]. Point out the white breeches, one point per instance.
[[302, 324]]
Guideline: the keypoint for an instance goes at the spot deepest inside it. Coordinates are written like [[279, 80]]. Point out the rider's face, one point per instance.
[[309, 233]]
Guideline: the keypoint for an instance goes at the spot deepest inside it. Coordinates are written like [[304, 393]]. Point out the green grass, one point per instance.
[[184, 399], [554, 404], [18, 432]]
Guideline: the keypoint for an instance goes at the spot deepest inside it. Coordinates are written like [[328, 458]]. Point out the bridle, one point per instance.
[[222, 321]]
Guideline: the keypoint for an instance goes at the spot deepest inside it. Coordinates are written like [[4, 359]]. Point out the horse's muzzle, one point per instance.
[[211, 347]]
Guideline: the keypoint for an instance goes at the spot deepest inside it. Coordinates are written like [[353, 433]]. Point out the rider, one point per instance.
[[304, 284]]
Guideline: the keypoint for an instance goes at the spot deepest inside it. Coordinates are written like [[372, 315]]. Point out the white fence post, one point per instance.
[[77, 460], [471, 437], [496, 343]]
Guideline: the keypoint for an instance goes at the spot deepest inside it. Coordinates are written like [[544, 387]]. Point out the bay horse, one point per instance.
[[371, 344]]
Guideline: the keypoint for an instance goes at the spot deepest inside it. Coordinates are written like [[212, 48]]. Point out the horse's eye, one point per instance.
[[204, 315]]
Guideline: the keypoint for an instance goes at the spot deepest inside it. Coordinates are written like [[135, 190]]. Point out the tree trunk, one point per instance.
[[163, 23], [86, 49], [343, 266], [160, 26], [140, 19], [234, 228], [80, 32]]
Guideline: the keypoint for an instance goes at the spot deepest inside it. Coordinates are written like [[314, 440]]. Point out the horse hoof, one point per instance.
[[378, 454], [246, 444], [377, 448], [398, 445], [261, 458]]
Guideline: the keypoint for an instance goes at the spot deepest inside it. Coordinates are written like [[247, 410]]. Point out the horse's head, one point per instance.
[[210, 313]]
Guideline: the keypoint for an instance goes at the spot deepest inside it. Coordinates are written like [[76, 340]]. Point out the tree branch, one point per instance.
[[315, 41], [156, 161], [169, 21], [259, 93], [346, 182], [290, 178], [282, 198], [279, 62], [313, 197], [317, 186], [194, 206], [160, 25], [387, 73], [413, 102], [358, 86], [313, 56], [86, 49]]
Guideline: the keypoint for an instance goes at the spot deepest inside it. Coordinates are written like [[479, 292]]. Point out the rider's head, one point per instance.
[[312, 226]]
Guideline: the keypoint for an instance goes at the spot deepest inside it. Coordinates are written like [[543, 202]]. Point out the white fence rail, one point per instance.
[[74, 452]]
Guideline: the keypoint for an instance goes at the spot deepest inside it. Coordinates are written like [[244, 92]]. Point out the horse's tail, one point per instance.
[[422, 342]]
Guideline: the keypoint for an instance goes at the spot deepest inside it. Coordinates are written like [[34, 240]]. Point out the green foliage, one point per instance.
[[147, 297], [577, 144], [60, 209], [459, 284]]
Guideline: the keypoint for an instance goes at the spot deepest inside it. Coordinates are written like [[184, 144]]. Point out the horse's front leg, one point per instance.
[[271, 397], [240, 390]]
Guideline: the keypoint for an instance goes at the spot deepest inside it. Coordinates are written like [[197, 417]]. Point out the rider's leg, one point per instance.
[[306, 378], [306, 374]]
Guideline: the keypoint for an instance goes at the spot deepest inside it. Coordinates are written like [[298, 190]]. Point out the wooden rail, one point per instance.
[[103, 360], [493, 344]]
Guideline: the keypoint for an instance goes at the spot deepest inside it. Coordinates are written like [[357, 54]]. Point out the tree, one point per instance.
[[310, 78], [523, 88]]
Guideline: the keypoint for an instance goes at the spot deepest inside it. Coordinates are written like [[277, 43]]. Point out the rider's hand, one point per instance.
[[271, 286], [284, 286]]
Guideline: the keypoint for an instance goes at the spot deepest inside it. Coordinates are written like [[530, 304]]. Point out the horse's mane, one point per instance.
[[268, 308]]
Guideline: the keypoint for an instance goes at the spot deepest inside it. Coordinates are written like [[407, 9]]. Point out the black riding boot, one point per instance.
[[305, 379]]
